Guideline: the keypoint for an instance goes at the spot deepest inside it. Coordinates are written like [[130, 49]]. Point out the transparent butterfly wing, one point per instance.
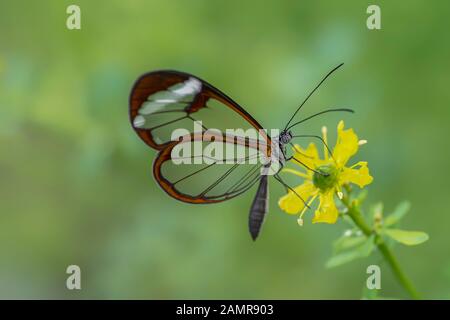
[[165, 102]]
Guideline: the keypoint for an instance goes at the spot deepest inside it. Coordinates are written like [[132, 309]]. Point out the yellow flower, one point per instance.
[[324, 178]]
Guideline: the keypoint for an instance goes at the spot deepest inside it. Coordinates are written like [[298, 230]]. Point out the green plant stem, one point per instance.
[[355, 214]]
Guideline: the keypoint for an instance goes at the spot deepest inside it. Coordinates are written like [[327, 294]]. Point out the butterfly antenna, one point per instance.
[[311, 93], [318, 114]]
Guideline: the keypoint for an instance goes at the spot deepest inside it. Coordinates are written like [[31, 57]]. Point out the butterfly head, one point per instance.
[[285, 137]]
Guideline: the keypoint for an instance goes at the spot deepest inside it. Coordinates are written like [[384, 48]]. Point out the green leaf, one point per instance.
[[376, 209], [361, 251], [409, 238], [348, 220], [398, 214], [361, 197], [347, 242]]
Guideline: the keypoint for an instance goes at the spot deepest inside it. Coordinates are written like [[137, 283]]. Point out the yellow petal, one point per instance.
[[309, 156], [359, 176], [346, 145], [291, 203], [327, 211]]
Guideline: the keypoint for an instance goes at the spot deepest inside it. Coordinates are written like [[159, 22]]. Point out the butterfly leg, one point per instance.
[[306, 166], [296, 150], [278, 178]]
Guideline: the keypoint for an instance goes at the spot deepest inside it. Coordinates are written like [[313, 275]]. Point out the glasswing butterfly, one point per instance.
[[164, 101]]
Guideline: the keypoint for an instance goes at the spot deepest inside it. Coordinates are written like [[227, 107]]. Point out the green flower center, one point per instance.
[[325, 177]]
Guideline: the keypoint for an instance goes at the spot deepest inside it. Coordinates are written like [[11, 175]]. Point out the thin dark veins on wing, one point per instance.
[[213, 185], [245, 178], [193, 173], [166, 123], [190, 117]]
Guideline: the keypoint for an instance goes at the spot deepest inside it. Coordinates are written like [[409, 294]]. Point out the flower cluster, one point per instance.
[[324, 178]]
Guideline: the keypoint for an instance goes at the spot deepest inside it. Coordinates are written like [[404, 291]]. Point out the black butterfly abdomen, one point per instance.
[[258, 209]]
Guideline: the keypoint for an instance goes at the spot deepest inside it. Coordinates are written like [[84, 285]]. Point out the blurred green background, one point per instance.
[[75, 180]]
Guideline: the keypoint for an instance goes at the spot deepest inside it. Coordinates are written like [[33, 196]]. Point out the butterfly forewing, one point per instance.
[[164, 101]]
